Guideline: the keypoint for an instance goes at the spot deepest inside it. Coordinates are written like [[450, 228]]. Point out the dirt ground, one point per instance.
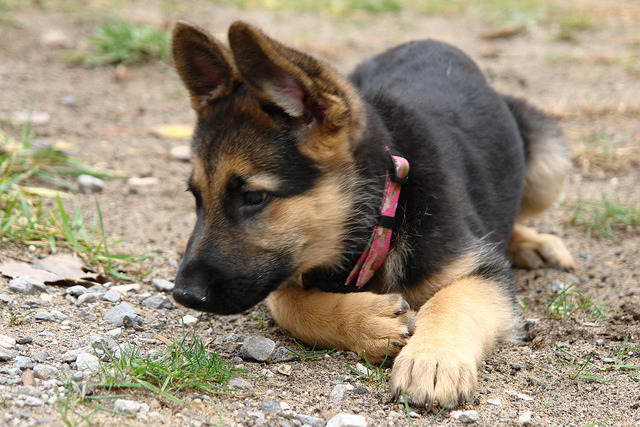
[[592, 85]]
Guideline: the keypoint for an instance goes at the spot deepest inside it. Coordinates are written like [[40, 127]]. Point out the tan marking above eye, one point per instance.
[[262, 182]]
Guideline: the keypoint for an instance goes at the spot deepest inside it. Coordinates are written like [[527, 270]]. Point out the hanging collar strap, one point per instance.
[[379, 245]]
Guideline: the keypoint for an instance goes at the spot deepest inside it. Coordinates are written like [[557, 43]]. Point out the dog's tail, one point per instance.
[[547, 153]]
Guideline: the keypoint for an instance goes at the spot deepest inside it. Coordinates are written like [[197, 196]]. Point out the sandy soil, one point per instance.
[[592, 86]]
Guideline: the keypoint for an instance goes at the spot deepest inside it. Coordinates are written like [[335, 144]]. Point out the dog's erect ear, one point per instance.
[[203, 63], [299, 84]]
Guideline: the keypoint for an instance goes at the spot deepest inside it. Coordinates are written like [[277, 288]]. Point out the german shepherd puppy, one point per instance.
[[290, 166]]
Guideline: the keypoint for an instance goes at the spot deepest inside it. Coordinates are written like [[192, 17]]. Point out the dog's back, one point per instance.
[[458, 133]]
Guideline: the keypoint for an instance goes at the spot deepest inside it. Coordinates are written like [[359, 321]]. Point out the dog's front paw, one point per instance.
[[432, 374], [378, 326]]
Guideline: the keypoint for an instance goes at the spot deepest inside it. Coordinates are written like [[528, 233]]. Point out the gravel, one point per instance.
[[127, 406], [283, 354], [87, 362], [112, 296], [33, 401], [525, 418], [163, 285], [7, 342], [119, 314], [76, 290], [44, 371], [257, 348], [90, 184], [86, 298], [337, 393], [157, 302], [309, 420], [270, 406], [49, 316], [26, 285], [240, 383], [465, 416], [7, 355], [347, 420]]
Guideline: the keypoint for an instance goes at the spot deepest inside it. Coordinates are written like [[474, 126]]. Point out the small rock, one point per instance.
[[600, 342], [609, 360], [33, 401], [33, 117], [7, 342], [115, 332], [240, 383], [163, 285], [86, 298], [6, 298], [525, 418], [122, 315], [26, 285], [257, 348], [189, 320], [111, 296], [557, 286], [6, 355], [270, 406], [145, 181], [520, 396], [127, 406], [347, 420], [363, 369], [123, 289], [68, 100], [50, 316], [157, 302], [283, 354], [44, 371], [266, 373], [181, 152], [495, 402], [76, 290], [309, 420], [90, 184], [284, 370], [414, 414], [55, 39], [23, 362], [337, 393], [87, 362], [24, 340], [42, 356], [465, 416]]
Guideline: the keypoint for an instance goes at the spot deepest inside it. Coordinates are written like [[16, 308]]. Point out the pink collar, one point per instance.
[[379, 245]]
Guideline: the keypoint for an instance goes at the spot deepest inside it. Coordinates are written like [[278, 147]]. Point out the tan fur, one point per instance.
[[548, 165], [530, 249], [454, 329], [374, 326], [456, 269]]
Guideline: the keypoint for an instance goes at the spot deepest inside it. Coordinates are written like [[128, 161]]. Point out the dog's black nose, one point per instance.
[[192, 297]]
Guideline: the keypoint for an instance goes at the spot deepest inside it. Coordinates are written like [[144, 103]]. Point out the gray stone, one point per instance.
[[127, 406], [158, 301], [68, 101], [240, 383], [6, 298], [337, 393], [309, 420], [122, 314], [42, 356], [23, 362], [7, 355], [189, 320], [33, 401], [24, 340], [7, 342], [257, 348], [87, 362], [26, 285], [97, 289], [465, 416], [90, 184], [86, 298], [163, 285], [347, 420], [525, 418], [111, 296], [283, 354], [494, 402], [76, 290], [50, 316], [181, 152], [557, 286], [270, 406], [44, 371]]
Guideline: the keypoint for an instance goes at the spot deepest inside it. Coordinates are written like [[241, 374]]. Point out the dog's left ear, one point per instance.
[[299, 84]]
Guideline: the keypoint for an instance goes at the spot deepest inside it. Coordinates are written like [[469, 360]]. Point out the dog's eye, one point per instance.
[[254, 198]]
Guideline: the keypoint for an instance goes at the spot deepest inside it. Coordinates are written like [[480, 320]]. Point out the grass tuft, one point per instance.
[[306, 353], [604, 217], [33, 182], [376, 374], [566, 303], [123, 42], [331, 7]]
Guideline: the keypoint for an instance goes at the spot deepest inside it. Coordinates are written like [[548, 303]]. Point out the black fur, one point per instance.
[[431, 103]]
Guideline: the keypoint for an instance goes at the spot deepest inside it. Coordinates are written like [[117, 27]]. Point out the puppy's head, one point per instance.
[[272, 159]]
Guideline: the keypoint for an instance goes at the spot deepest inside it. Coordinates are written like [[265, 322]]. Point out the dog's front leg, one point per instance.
[[374, 326], [454, 329]]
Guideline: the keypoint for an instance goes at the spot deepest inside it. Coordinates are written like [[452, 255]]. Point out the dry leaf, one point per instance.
[[503, 33], [173, 131], [45, 192], [59, 270]]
